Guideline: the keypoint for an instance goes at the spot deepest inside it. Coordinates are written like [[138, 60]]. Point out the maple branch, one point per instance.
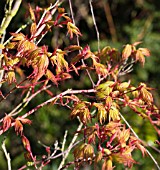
[[56, 156], [27, 99], [19, 29], [12, 90], [64, 140], [41, 26], [69, 91], [151, 156], [9, 14], [25, 102], [7, 155]]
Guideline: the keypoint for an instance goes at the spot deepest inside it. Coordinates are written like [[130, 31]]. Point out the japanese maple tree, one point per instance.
[[105, 136]]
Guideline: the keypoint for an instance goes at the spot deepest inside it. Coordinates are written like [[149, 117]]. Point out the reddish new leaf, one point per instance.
[[6, 123], [18, 127], [127, 51]]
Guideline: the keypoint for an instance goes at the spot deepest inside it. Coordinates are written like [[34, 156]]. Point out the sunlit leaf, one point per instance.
[[81, 110], [107, 165], [32, 13], [2, 46], [114, 114], [72, 29], [18, 127], [145, 51], [11, 78], [73, 48], [126, 52], [102, 113], [51, 77], [7, 120]]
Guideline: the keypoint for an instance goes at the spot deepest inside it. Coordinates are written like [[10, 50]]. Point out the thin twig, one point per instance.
[[52, 10], [25, 102], [1, 59], [64, 140], [151, 156], [57, 156], [28, 99], [19, 29], [19, 105], [7, 155], [89, 75], [69, 91], [70, 146], [95, 25]]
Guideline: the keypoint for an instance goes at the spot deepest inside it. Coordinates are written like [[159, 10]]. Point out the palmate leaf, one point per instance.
[[58, 60], [114, 114], [51, 77], [107, 165], [72, 29], [127, 51], [11, 77], [7, 120], [84, 151], [81, 110], [123, 137], [18, 127], [40, 67], [145, 94], [72, 48], [102, 113], [125, 157], [104, 89], [100, 68]]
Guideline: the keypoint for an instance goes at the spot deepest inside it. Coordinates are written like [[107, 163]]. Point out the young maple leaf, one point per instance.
[[11, 78], [104, 89], [123, 137], [125, 156], [81, 110], [102, 113], [27, 146], [107, 165], [7, 120], [114, 114], [24, 120], [145, 94], [18, 127], [84, 151], [26, 143], [58, 59], [33, 18], [72, 29], [40, 62], [138, 144], [51, 77], [98, 157], [91, 133], [100, 68], [127, 51]]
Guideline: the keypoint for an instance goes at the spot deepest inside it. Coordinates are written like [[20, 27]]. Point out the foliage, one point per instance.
[[104, 137]]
